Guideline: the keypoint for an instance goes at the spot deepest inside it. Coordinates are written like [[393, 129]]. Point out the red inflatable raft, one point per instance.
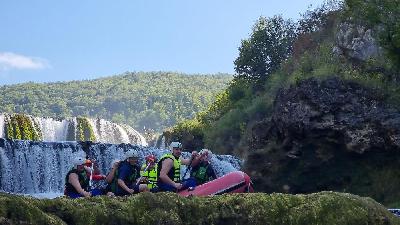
[[234, 182]]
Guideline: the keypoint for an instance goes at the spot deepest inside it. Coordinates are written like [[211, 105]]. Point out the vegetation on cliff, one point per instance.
[[167, 208], [353, 41]]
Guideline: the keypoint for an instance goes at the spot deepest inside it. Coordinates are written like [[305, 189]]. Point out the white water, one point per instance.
[[53, 130], [133, 133], [2, 126], [39, 168]]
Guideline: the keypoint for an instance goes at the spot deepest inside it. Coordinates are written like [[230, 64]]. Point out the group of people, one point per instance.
[[127, 177]]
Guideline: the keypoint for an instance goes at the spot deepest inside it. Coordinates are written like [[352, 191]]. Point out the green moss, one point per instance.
[[20, 126], [84, 131], [168, 208]]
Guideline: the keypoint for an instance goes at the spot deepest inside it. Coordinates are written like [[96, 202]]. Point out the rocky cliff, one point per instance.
[[328, 135]]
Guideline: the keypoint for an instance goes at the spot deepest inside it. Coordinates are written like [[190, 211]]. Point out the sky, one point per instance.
[[51, 41]]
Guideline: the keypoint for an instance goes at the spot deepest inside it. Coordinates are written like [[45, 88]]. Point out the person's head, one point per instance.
[[205, 155], [88, 163], [176, 148], [132, 156], [79, 163], [151, 159]]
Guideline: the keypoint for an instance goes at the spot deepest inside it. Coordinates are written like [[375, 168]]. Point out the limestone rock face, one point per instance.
[[327, 135], [333, 109], [356, 42]]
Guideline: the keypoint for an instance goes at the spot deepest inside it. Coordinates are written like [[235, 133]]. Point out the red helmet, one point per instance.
[[150, 158], [88, 162]]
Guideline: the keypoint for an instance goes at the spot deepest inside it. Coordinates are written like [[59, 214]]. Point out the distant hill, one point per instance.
[[154, 100]]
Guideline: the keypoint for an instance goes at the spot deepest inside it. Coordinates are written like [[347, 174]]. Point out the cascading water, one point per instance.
[[54, 130], [2, 126], [30, 167]]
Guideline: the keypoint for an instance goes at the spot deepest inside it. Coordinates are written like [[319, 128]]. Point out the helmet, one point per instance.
[[131, 154], [175, 144], [78, 161], [88, 162], [206, 152], [150, 158]]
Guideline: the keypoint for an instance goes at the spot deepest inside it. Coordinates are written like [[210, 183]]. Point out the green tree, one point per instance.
[[268, 46]]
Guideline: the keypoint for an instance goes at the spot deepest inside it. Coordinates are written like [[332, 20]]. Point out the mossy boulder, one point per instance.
[[168, 208]]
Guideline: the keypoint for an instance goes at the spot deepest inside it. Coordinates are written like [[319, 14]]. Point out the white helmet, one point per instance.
[[78, 161], [206, 152], [175, 144], [131, 154]]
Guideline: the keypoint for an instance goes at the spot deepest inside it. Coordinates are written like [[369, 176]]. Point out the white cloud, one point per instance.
[[9, 60]]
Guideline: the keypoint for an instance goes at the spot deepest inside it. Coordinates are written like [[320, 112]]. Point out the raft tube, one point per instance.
[[234, 182]]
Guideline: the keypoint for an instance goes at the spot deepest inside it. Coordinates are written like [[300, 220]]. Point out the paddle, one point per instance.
[[190, 164], [144, 171], [91, 176], [188, 167]]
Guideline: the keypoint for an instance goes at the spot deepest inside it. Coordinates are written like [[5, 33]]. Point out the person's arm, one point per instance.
[[111, 174], [166, 167], [122, 184], [74, 181], [193, 160], [123, 172]]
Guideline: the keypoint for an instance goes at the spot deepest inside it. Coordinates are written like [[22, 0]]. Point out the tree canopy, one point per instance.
[[269, 44], [154, 100]]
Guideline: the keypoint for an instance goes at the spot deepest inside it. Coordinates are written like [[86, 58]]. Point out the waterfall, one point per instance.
[[2, 135], [56, 130], [132, 133], [51, 129], [33, 167]]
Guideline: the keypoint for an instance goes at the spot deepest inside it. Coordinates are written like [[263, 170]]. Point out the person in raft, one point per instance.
[[77, 181], [127, 176], [169, 169], [149, 173], [203, 172]]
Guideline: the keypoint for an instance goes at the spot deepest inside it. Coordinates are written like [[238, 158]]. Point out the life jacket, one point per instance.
[[150, 174], [200, 173], [83, 181], [175, 172], [114, 187]]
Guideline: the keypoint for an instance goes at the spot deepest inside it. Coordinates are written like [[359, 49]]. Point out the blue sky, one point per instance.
[[49, 41]]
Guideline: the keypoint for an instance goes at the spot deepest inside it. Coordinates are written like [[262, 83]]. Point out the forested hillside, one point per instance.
[[153, 100]]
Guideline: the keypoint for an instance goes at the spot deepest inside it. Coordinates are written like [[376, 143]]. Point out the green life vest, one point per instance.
[[200, 174], [83, 181], [175, 173], [151, 176]]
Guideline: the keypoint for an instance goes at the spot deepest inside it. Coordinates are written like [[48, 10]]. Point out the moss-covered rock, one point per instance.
[[168, 208], [84, 130], [21, 126]]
